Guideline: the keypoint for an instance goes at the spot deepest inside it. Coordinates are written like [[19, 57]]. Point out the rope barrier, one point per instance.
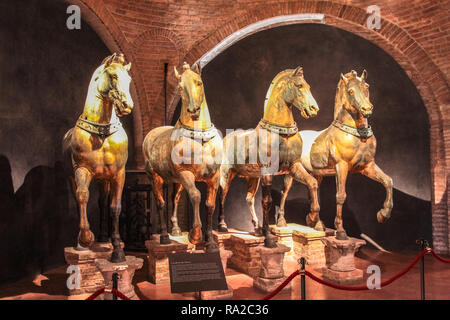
[[439, 257], [115, 292], [281, 286]]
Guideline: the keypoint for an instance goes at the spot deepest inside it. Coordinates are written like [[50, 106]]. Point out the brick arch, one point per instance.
[[102, 22], [429, 80]]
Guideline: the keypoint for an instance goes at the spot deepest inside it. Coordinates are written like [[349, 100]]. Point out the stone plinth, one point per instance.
[[307, 243], [125, 270], [271, 273], [245, 257], [340, 260], [158, 261], [220, 294], [91, 278]]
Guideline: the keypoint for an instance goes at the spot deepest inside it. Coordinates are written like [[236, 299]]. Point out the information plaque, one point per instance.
[[195, 272]]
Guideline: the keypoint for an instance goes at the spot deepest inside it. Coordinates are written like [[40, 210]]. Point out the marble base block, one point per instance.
[[245, 257], [271, 273], [307, 243], [220, 294]]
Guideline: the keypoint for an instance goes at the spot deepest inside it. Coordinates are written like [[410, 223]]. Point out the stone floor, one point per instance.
[[51, 285]]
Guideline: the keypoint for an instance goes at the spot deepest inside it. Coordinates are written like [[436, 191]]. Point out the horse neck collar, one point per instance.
[[100, 129], [362, 133], [276, 128], [195, 133]]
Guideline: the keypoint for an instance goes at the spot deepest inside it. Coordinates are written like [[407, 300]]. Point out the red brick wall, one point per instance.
[[414, 32]]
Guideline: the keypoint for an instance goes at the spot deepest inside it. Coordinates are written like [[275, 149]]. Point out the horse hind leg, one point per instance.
[[211, 192], [157, 183], [82, 181], [252, 188], [226, 176], [269, 240], [176, 231]]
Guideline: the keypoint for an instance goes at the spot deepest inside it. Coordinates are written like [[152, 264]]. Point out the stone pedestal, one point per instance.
[[158, 261], [307, 243], [271, 273], [220, 294], [125, 270], [245, 257], [340, 260], [91, 278]]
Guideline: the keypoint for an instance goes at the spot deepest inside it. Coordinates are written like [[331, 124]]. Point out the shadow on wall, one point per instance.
[[39, 220]]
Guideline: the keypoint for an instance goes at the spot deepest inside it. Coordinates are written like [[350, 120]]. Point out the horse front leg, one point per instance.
[[176, 231], [281, 222], [118, 255], [269, 240], [187, 179], [341, 178], [226, 176], [211, 192], [375, 173], [158, 183], [252, 188], [82, 181], [299, 173], [103, 203]]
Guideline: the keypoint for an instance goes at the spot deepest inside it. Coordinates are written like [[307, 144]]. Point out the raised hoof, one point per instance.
[[118, 255], [269, 242], [164, 239], [309, 222], [195, 235], [211, 247], [176, 232], [382, 216], [281, 222], [222, 228], [258, 232], [341, 235], [86, 238]]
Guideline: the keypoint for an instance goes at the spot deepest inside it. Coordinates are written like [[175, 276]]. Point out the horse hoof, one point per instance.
[[211, 247], [258, 232], [176, 232], [164, 239], [341, 235], [222, 228], [281, 222], [309, 222], [319, 226], [195, 235], [118, 255], [269, 242], [382, 217], [86, 238]]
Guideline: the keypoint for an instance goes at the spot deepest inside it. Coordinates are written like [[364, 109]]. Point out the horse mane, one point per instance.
[[338, 98], [275, 82], [114, 58]]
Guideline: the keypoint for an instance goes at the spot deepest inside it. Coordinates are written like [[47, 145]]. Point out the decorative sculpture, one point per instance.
[[188, 152], [98, 145], [347, 145], [283, 145]]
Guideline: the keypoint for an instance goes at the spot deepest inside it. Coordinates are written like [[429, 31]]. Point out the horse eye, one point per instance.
[[351, 92], [199, 83], [299, 85]]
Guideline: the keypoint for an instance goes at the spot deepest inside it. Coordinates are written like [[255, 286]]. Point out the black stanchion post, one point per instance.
[[115, 278], [423, 245], [302, 278]]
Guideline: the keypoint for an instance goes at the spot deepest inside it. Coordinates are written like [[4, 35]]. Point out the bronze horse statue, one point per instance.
[[188, 152], [98, 146], [275, 137], [347, 145]]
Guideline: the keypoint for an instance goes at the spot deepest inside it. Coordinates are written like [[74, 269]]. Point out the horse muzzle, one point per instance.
[[194, 113], [366, 111], [122, 108]]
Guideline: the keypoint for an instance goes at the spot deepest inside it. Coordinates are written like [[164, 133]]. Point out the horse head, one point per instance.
[[113, 84], [297, 93], [191, 89], [355, 94]]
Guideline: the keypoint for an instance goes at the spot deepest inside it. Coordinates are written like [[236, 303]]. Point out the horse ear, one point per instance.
[[298, 71], [354, 73], [364, 75], [177, 75], [344, 78], [128, 66], [198, 69]]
